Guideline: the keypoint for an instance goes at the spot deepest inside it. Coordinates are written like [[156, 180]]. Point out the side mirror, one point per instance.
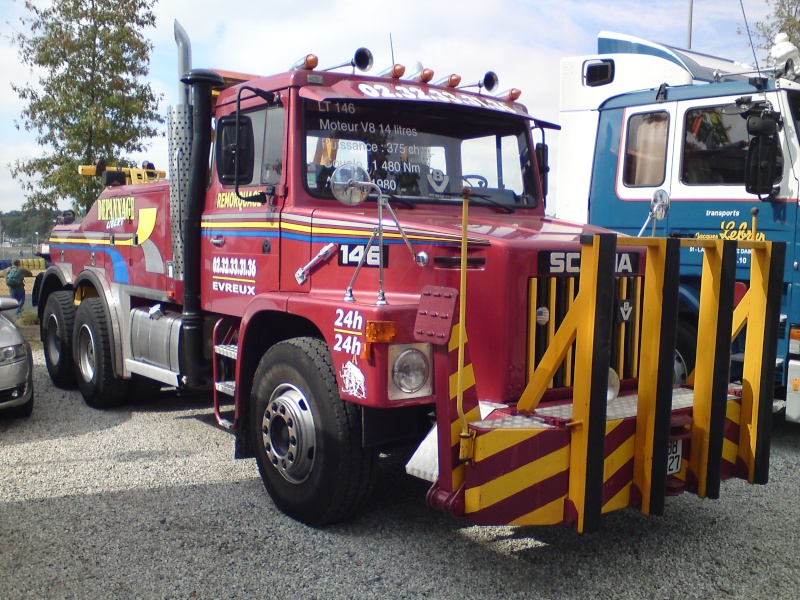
[[761, 165], [235, 160], [659, 205], [351, 184], [542, 163], [762, 125]]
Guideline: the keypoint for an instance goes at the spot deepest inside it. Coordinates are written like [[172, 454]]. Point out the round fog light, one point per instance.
[[410, 370]]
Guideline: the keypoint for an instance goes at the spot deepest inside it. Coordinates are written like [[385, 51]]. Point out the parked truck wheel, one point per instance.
[[685, 351], [91, 348], [307, 440], [56, 326]]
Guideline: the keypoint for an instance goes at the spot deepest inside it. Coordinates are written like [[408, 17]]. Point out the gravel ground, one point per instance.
[[147, 502]]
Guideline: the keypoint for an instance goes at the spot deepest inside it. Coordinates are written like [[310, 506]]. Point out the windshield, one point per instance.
[[420, 151]]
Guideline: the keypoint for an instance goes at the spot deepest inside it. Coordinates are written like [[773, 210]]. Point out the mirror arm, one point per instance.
[[260, 196]]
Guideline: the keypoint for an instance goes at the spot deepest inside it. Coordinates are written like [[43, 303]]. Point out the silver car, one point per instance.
[[16, 367]]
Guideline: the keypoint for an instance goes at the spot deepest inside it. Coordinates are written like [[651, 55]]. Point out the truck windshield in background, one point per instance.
[[421, 151]]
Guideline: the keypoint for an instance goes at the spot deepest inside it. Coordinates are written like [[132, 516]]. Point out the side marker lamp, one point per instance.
[[381, 331], [794, 339]]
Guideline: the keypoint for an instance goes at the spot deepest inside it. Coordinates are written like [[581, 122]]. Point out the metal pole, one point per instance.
[[689, 31]]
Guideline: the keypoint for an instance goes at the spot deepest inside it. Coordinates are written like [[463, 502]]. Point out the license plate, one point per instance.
[[674, 456]]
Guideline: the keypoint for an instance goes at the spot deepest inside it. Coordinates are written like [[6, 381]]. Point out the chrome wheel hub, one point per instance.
[[288, 434]]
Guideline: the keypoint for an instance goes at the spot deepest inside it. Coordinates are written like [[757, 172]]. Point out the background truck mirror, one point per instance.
[[761, 165], [228, 153], [761, 125]]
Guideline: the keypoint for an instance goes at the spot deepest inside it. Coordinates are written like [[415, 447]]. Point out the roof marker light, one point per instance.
[[511, 95], [308, 62], [396, 71], [426, 75], [450, 81]]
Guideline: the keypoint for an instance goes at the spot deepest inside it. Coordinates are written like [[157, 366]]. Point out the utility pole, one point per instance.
[[689, 31]]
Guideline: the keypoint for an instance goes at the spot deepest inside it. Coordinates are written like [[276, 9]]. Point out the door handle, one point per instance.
[[218, 241]]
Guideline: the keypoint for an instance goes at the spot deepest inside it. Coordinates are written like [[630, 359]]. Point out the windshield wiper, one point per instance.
[[492, 201], [400, 200]]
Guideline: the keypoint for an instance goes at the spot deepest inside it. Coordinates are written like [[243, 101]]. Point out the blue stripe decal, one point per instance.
[[615, 46], [117, 261]]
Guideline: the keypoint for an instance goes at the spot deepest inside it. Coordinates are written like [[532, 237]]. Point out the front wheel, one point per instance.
[[91, 349], [307, 440]]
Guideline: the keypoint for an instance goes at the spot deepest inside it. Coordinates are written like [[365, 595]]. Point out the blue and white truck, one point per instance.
[[670, 142]]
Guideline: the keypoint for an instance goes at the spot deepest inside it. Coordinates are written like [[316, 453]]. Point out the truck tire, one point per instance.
[[58, 320], [307, 440], [685, 351], [91, 348]]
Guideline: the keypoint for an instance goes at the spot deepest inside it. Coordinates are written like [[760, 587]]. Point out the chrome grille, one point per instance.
[[549, 299]]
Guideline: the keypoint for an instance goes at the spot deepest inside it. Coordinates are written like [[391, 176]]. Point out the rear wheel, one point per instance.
[[307, 440], [91, 347], [58, 320], [685, 351]]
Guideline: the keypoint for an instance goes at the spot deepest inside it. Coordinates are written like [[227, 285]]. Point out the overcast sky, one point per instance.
[[521, 40]]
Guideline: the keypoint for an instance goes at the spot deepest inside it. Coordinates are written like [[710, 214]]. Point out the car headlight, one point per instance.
[[12, 353], [410, 371]]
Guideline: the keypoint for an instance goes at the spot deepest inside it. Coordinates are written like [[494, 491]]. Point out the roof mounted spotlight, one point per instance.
[[309, 62], [362, 60], [509, 95], [396, 71], [450, 81], [489, 82]]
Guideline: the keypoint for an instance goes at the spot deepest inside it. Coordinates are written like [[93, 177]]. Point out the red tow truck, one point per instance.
[[357, 262]]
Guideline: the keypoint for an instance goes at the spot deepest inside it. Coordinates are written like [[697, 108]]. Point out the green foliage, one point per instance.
[[24, 224], [785, 18], [88, 101]]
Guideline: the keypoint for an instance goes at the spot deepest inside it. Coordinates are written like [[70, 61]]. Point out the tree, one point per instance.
[[88, 102], [785, 18]]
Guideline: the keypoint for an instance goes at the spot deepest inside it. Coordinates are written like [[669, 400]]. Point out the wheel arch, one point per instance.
[[89, 285], [54, 279], [258, 333]]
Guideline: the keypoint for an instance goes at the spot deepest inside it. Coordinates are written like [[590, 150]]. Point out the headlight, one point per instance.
[[410, 371], [12, 353]]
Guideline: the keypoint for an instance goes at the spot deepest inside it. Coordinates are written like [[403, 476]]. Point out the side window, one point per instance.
[[714, 147], [272, 165], [646, 150]]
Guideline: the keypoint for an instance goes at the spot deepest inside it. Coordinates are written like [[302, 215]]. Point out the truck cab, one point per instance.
[[644, 120]]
